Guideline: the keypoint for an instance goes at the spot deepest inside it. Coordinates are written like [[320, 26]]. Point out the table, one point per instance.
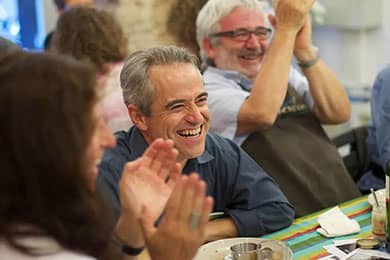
[[307, 243]]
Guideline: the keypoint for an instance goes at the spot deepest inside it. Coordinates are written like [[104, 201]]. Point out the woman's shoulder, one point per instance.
[[45, 247]]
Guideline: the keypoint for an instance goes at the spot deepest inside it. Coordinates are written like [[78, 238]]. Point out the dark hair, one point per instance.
[[48, 40], [181, 23], [6, 47], [60, 4], [46, 104], [91, 35]]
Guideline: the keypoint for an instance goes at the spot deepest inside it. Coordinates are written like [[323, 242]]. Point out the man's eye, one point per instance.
[[202, 100], [177, 106], [261, 32], [241, 33]]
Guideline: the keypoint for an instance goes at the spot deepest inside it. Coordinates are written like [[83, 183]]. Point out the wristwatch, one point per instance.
[[304, 64], [125, 248]]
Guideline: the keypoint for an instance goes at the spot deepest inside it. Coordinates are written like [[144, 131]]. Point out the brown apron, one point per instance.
[[298, 154]]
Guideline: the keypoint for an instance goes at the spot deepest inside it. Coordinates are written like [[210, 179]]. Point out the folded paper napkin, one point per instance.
[[335, 223]]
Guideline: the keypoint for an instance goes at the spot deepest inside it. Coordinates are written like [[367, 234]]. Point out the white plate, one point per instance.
[[380, 194], [217, 250]]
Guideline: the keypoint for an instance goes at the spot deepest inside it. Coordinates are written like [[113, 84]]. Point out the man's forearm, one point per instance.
[[128, 231], [331, 103], [270, 85], [220, 228], [262, 106]]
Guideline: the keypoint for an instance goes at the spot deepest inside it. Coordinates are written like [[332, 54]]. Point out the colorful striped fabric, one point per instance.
[[307, 243]]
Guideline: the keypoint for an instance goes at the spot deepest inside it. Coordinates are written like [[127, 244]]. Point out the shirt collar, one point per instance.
[[137, 143], [236, 76]]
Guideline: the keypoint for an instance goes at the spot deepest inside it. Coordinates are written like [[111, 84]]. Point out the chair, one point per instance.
[[356, 160]]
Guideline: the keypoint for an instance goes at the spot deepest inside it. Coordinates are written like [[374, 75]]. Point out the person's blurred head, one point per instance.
[[181, 23], [90, 35], [165, 95], [62, 5], [222, 34], [49, 150], [7, 47]]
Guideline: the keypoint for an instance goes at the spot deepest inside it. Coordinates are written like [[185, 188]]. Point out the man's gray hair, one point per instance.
[[211, 13], [136, 86]]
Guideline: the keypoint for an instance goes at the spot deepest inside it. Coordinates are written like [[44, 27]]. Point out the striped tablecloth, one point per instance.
[[304, 240]]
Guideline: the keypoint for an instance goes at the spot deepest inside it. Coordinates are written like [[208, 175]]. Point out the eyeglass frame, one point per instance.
[[233, 33]]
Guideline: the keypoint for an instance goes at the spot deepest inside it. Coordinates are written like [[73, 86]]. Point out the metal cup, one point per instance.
[[265, 250], [243, 251], [273, 250]]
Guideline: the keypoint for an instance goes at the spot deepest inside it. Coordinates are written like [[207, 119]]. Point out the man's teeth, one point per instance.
[[248, 57], [192, 132]]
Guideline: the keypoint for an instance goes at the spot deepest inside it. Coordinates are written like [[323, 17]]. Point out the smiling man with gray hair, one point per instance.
[[269, 108], [164, 92]]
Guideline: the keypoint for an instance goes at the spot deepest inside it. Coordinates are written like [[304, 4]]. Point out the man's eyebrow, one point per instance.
[[202, 95]]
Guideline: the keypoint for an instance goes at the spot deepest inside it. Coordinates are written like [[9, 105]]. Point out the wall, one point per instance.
[[142, 20], [356, 56], [50, 14]]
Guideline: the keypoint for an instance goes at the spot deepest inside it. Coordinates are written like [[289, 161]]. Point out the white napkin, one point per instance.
[[335, 223]]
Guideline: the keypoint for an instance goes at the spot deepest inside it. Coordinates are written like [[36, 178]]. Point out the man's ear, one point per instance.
[[138, 118], [209, 48]]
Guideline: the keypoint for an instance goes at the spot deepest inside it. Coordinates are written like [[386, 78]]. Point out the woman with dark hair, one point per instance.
[[47, 110], [52, 138]]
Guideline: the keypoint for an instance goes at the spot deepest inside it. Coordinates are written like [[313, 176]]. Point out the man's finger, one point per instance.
[[174, 175], [146, 222]]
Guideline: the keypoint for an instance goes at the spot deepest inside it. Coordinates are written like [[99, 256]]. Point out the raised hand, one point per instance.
[[291, 14], [304, 40], [304, 49], [182, 229], [150, 179]]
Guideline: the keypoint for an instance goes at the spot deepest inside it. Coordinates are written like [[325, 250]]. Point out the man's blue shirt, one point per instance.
[[378, 140], [239, 186]]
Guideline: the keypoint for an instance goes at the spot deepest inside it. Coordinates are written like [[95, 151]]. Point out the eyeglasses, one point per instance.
[[242, 34]]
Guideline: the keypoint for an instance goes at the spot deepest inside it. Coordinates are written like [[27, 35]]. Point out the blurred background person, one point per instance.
[[378, 140], [61, 6], [95, 36], [181, 23]]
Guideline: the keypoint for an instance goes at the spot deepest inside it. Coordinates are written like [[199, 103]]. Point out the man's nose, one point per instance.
[[252, 41], [194, 114]]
